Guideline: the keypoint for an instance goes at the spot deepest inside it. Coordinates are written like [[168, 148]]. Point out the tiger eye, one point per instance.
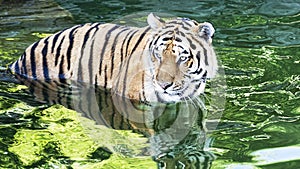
[[190, 63], [183, 58]]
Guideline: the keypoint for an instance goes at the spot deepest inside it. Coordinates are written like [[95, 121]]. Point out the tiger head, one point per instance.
[[183, 57]]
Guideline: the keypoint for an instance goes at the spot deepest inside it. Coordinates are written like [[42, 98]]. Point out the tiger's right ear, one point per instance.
[[206, 30], [154, 21]]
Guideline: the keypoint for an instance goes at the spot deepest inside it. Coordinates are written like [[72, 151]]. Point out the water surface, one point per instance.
[[257, 43]]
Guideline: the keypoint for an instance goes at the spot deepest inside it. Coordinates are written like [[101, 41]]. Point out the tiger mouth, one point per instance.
[[170, 91], [169, 96]]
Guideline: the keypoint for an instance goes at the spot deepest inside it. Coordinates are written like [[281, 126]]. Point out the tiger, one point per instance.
[[165, 61]]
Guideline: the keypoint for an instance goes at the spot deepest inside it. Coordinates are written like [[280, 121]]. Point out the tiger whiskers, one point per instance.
[[197, 102], [206, 98], [185, 101]]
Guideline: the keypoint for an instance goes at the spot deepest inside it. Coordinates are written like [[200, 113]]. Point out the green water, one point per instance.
[[257, 43]]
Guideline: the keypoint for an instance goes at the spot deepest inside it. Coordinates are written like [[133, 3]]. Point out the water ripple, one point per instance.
[[279, 8]]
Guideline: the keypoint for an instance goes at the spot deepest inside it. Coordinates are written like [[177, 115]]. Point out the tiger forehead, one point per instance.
[[182, 23], [180, 27]]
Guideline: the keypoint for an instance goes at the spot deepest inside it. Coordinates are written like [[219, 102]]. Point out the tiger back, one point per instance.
[[164, 61]]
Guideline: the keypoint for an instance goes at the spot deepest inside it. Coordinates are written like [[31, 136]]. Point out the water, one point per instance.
[[256, 41]]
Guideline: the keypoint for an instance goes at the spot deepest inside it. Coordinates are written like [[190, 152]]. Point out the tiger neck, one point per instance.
[[132, 73]]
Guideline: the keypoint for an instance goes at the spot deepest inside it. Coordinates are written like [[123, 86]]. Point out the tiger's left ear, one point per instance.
[[154, 21], [206, 30]]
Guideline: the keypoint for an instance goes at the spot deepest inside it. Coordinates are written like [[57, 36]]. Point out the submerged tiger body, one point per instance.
[[164, 61]]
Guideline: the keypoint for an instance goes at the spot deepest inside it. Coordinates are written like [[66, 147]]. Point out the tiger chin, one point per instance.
[[166, 61]]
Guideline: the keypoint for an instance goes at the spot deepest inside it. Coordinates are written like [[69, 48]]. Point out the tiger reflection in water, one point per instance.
[[176, 131], [144, 79]]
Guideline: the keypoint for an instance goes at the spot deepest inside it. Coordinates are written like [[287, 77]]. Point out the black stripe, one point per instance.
[[186, 22], [69, 101], [198, 162], [181, 33], [207, 160], [193, 46], [198, 56], [108, 34], [197, 86], [126, 71], [45, 62], [176, 31], [87, 34], [96, 81], [57, 55], [173, 22], [32, 60], [91, 59], [99, 115], [24, 66], [176, 22], [155, 42], [112, 50], [204, 51], [134, 48], [195, 23], [80, 72], [54, 40], [70, 47], [122, 46], [143, 87], [140, 39], [204, 76], [186, 76], [98, 96], [128, 42], [167, 38], [45, 91], [16, 68], [61, 75], [198, 71], [170, 32], [106, 91], [150, 46], [185, 52], [185, 28], [105, 77], [178, 39], [169, 26], [86, 37], [205, 55], [122, 55]]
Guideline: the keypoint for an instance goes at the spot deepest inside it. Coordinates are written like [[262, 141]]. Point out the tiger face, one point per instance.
[[183, 57]]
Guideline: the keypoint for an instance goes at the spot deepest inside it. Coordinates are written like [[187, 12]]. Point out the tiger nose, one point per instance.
[[165, 85]]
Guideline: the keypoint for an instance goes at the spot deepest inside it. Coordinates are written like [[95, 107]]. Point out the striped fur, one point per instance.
[[165, 61], [189, 158]]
